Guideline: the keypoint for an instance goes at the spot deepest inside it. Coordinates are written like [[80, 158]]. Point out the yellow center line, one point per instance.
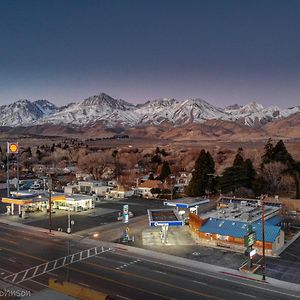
[[94, 275]]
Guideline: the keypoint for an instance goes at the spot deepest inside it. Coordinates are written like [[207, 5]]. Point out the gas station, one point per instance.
[[29, 202], [187, 205], [164, 218]]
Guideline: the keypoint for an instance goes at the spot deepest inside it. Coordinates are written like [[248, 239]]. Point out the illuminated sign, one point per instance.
[[250, 239], [252, 253], [12, 148]]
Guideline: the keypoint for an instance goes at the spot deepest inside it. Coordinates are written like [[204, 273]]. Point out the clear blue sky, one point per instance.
[[223, 51]]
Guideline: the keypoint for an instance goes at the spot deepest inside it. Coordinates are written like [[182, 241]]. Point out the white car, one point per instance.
[[35, 186]]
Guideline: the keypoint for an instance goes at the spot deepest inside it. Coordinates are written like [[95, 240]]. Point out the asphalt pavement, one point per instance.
[[125, 274]]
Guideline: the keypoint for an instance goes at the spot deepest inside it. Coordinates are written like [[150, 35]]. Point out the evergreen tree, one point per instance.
[[239, 160], [240, 174], [269, 151], [39, 155], [233, 178], [200, 181], [281, 154], [249, 173], [165, 171]]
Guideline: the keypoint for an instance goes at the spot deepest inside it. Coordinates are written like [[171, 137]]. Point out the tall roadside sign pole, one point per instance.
[[7, 170], [18, 172], [50, 202], [12, 148], [263, 236]]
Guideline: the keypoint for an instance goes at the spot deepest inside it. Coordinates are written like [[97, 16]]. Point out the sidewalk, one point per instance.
[[162, 258]]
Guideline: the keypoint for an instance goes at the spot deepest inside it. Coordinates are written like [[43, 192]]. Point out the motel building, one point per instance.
[[226, 227]]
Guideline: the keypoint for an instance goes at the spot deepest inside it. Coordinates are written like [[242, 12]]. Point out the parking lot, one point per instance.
[[287, 267], [105, 212]]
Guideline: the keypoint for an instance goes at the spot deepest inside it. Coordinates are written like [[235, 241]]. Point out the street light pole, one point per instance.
[[263, 236], [69, 220]]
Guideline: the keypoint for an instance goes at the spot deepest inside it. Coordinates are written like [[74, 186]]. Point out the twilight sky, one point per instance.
[[222, 51]]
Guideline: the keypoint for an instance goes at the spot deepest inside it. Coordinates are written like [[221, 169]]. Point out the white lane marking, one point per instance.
[[84, 284], [12, 259], [245, 295], [160, 272], [216, 277], [39, 283], [9, 272], [199, 282], [123, 297]]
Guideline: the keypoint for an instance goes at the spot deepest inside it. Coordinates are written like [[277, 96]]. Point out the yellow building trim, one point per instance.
[[17, 201], [76, 290], [58, 198]]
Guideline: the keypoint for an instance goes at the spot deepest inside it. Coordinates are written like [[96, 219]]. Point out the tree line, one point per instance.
[[276, 165]]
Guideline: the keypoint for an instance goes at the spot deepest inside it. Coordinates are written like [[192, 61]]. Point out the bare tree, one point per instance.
[[273, 175]]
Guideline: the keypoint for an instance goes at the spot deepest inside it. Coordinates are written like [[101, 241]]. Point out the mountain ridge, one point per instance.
[[113, 112]]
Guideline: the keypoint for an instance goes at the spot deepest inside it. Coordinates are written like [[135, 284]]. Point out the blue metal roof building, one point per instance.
[[238, 229]]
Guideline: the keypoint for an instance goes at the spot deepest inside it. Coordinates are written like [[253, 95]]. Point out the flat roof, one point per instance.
[[249, 212], [186, 202], [159, 217], [268, 200], [77, 197]]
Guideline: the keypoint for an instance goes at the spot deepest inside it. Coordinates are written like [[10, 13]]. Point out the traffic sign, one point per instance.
[[125, 209], [250, 239]]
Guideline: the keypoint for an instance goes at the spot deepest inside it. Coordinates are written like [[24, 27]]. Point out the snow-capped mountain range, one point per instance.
[[116, 112]]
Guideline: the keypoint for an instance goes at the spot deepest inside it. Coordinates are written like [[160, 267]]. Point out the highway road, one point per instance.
[[120, 273]]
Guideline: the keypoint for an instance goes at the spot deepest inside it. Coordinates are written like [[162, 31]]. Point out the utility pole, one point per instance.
[[7, 173], [50, 202], [263, 236], [171, 177]]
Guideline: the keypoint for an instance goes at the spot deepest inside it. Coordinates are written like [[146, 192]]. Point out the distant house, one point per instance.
[[121, 192], [144, 189], [182, 181], [88, 187], [83, 176], [39, 168], [69, 169], [71, 189]]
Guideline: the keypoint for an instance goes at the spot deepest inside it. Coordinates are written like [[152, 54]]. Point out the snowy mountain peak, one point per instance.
[[116, 112], [46, 106], [233, 107], [24, 112], [251, 107], [105, 100]]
